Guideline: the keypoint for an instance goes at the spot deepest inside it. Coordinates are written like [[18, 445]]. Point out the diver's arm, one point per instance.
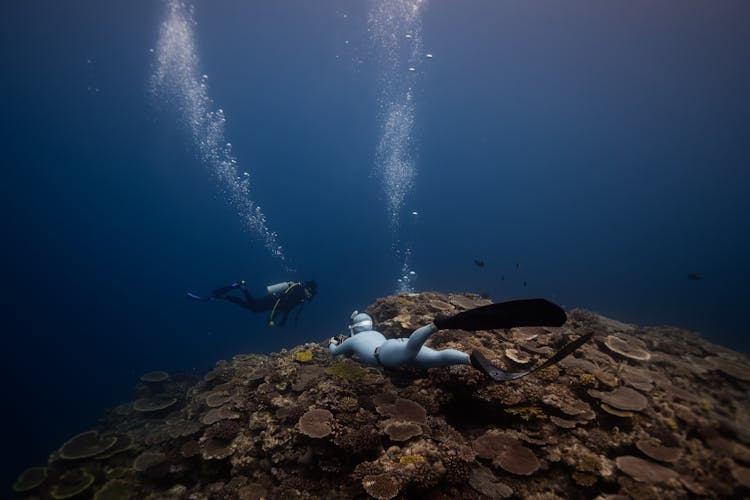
[[345, 347]]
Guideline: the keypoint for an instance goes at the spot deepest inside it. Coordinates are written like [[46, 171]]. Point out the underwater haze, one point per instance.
[[595, 154]]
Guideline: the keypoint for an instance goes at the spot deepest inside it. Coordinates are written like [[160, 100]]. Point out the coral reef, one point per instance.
[[639, 412]]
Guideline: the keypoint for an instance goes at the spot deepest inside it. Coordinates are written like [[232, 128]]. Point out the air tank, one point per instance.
[[279, 287]]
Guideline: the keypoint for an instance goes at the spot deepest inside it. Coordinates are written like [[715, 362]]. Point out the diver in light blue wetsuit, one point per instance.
[[372, 348]]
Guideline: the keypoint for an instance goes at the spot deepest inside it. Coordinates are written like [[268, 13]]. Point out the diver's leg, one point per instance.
[[235, 300], [284, 317], [430, 358], [265, 303], [249, 300], [418, 338], [219, 293], [396, 353]]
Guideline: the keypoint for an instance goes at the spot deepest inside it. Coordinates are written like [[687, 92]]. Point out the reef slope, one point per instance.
[[638, 412]]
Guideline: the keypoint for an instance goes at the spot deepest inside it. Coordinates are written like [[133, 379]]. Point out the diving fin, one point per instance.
[[514, 313], [193, 296], [481, 363]]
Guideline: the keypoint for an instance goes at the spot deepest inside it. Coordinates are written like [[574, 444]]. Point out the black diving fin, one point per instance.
[[482, 364], [511, 314]]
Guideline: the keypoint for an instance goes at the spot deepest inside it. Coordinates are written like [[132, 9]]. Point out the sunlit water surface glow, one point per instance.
[[176, 78], [396, 30]]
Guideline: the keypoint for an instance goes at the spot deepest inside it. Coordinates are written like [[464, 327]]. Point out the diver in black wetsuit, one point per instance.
[[281, 298]]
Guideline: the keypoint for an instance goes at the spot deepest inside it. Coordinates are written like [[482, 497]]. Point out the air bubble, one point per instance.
[[176, 74]]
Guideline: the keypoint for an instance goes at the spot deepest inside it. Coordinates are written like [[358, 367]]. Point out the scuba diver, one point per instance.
[[280, 298], [372, 348]]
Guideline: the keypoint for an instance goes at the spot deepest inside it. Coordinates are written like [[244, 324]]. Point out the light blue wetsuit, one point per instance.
[[372, 348]]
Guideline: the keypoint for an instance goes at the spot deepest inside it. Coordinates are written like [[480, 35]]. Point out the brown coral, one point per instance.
[[639, 379], [148, 460], [154, 403], [626, 349], [216, 449], [507, 453], [30, 479], [658, 452], [216, 414], [182, 428], [71, 483], [116, 489], [401, 431], [217, 399], [85, 445], [190, 448], [643, 470], [741, 475], [404, 409], [738, 371], [381, 486], [123, 443], [316, 423], [563, 423], [622, 398], [485, 482]]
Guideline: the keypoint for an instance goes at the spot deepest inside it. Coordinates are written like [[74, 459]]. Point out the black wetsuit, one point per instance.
[[282, 302]]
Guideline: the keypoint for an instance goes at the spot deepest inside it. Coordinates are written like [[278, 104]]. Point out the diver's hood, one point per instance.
[[360, 322]]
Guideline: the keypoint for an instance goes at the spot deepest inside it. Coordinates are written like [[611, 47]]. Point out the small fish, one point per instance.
[[694, 277], [524, 283], [479, 262], [485, 295], [517, 265]]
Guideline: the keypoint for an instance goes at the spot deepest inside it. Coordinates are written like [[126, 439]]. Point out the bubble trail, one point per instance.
[[176, 79], [396, 30]]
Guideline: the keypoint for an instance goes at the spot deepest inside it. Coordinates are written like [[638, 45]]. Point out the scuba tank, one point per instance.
[[279, 287]]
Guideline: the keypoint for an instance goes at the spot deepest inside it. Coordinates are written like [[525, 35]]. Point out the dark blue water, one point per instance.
[[602, 148]]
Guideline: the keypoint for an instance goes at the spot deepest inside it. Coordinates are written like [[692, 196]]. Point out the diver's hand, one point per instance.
[[338, 339]]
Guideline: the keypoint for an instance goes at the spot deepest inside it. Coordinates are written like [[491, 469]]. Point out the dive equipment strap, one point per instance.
[[376, 353]]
